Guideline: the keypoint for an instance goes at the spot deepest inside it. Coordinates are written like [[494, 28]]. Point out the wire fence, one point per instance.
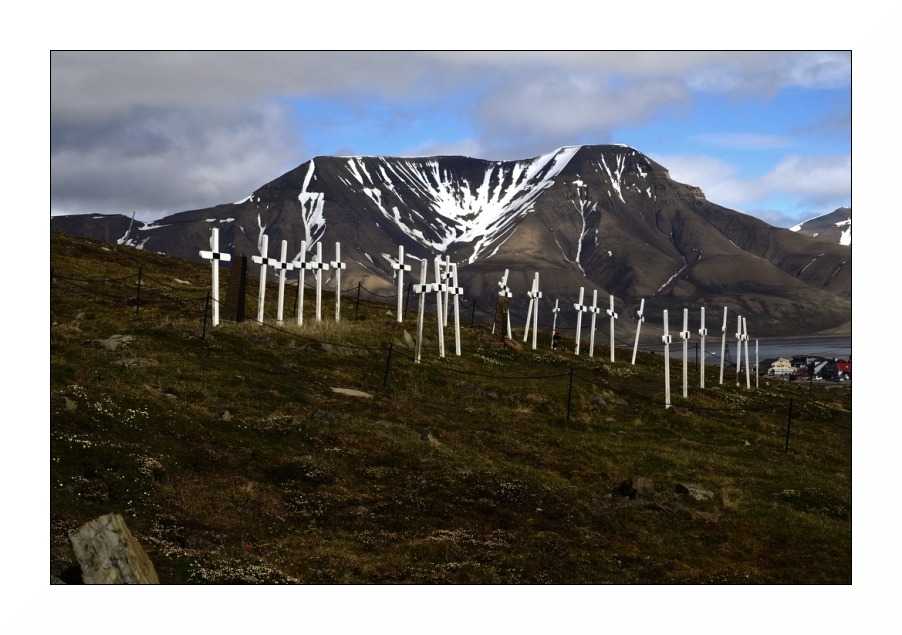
[[141, 292]]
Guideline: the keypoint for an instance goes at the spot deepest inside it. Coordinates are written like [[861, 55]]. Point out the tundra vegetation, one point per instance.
[[233, 460]]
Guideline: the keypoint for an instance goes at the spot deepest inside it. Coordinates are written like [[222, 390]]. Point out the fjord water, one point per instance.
[[768, 348]]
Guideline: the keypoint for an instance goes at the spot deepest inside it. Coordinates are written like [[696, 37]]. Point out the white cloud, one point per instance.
[[814, 178], [807, 185], [167, 131], [745, 141]]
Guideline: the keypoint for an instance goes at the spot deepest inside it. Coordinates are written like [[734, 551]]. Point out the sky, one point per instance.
[[159, 132]]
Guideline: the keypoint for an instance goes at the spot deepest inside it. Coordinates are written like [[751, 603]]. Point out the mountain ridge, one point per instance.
[[603, 217]]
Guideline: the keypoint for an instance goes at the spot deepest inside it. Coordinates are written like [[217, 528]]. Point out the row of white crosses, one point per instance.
[[319, 266], [442, 292], [302, 265], [534, 296], [594, 310], [284, 266], [742, 336]]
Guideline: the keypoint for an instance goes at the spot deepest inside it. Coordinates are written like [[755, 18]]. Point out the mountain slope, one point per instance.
[[606, 218]]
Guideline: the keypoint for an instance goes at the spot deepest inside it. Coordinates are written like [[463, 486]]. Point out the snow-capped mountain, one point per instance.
[[835, 226], [603, 217]]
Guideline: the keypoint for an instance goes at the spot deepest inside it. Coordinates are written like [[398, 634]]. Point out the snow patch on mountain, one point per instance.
[[461, 212], [312, 204]]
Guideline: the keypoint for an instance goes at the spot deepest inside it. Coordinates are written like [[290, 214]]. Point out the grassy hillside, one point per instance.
[[233, 460]]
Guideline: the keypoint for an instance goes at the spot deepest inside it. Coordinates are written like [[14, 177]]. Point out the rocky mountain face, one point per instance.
[[605, 218], [835, 227]]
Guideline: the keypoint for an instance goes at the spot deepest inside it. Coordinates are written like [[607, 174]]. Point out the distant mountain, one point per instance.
[[835, 227], [603, 217]]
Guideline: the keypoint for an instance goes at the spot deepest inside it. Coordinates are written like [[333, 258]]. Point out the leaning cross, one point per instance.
[[421, 289], [400, 267], [263, 261], [641, 319], [533, 311], [555, 311]]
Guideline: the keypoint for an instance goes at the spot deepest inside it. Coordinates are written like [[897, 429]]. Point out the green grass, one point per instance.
[[459, 470]]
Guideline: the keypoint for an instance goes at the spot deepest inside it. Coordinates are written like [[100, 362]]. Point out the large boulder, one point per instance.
[[109, 554]]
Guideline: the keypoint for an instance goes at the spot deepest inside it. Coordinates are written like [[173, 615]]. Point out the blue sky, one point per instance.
[[764, 133]]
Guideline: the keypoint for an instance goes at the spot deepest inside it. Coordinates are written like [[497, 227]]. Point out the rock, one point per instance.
[[605, 398], [352, 393], [428, 438], [694, 491], [114, 342], [637, 487], [707, 517], [408, 339], [158, 392], [515, 345], [71, 405], [137, 362], [226, 416], [109, 554]]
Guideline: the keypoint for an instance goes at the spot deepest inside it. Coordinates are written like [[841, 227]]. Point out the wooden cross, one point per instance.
[[400, 267], [263, 261], [283, 266], [215, 256], [613, 316], [580, 308], [337, 265]]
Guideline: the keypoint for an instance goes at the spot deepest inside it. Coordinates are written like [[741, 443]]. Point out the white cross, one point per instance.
[[337, 265], [215, 256], [684, 335], [263, 261], [400, 267], [319, 266], [638, 328], [581, 308], [422, 289], [505, 293], [554, 312], [613, 316], [594, 310], [534, 295], [439, 313], [284, 267], [703, 332], [456, 291], [723, 343], [300, 263], [667, 340]]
